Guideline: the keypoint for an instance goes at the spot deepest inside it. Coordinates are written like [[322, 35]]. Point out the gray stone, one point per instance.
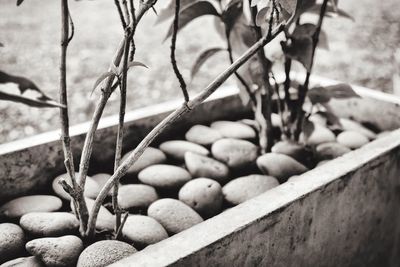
[[203, 195], [92, 188], [164, 176], [235, 153], [101, 178], [49, 224], [176, 149], [56, 251], [12, 241], [136, 196], [143, 231], [280, 166], [244, 188], [292, 149], [31, 261], [105, 219], [202, 166], [202, 135], [104, 253], [234, 129], [149, 157], [320, 135], [352, 139], [350, 125], [17, 207], [330, 150], [174, 215]]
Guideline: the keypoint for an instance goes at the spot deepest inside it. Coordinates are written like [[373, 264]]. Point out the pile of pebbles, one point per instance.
[[169, 189]]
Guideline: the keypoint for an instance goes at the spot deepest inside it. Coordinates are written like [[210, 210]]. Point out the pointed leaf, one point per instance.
[[331, 12], [308, 128], [135, 64], [341, 91], [232, 13], [206, 54], [114, 69], [191, 12], [101, 78], [29, 101], [319, 95], [289, 5], [169, 11], [19, 2], [1, 45], [261, 16]]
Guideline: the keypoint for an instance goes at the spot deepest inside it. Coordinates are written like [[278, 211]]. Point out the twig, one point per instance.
[[119, 229], [178, 75], [120, 13], [133, 19], [77, 194], [171, 118], [120, 134], [304, 88], [266, 97]]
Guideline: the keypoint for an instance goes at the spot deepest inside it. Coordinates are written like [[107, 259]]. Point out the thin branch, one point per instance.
[[120, 134], [120, 13], [171, 118], [133, 19], [304, 88], [178, 74], [238, 76], [119, 229], [77, 196], [126, 12]]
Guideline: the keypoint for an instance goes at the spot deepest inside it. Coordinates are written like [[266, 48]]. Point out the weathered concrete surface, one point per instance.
[[28, 165], [344, 213]]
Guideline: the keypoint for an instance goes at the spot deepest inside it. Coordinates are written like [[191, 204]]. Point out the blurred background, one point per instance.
[[361, 52]]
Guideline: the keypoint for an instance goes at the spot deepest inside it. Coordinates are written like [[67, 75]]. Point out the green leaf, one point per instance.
[[262, 14], [206, 54], [318, 95], [289, 5], [169, 11], [101, 78], [232, 13], [191, 12], [331, 118], [19, 2]]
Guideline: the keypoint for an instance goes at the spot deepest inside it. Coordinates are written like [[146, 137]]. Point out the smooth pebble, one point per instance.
[[235, 153], [202, 135], [164, 176], [136, 196], [149, 157], [352, 139], [202, 166], [234, 129], [176, 149], [12, 241]]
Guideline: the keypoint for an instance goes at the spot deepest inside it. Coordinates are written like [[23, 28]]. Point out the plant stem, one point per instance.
[[178, 74], [76, 194], [171, 118], [304, 88], [120, 134], [266, 98]]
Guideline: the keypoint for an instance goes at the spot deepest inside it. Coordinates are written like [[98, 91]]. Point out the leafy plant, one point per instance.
[[247, 26]]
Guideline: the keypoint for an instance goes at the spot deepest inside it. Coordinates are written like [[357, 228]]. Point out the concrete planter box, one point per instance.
[[344, 213]]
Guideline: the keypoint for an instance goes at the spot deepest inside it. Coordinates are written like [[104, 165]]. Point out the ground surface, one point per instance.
[[360, 52]]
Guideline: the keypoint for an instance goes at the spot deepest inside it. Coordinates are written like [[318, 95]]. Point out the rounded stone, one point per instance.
[[234, 129], [104, 253], [352, 139], [49, 224], [19, 206], [164, 176], [56, 251], [202, 135], [244, 188], [350, 125], [92, 188], [101, 178], [280, 166], [235, 153], [143, 231], [176, 149], [150, 156], [319, 119], [203, 195], [12, 241], [320, 135], [133, 196], [292, 149], [330, 150], [202, 166], [105, 220], [174, 215], [31, 261]]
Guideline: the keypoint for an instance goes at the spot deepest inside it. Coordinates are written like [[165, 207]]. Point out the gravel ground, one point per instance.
[[360, 52]]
